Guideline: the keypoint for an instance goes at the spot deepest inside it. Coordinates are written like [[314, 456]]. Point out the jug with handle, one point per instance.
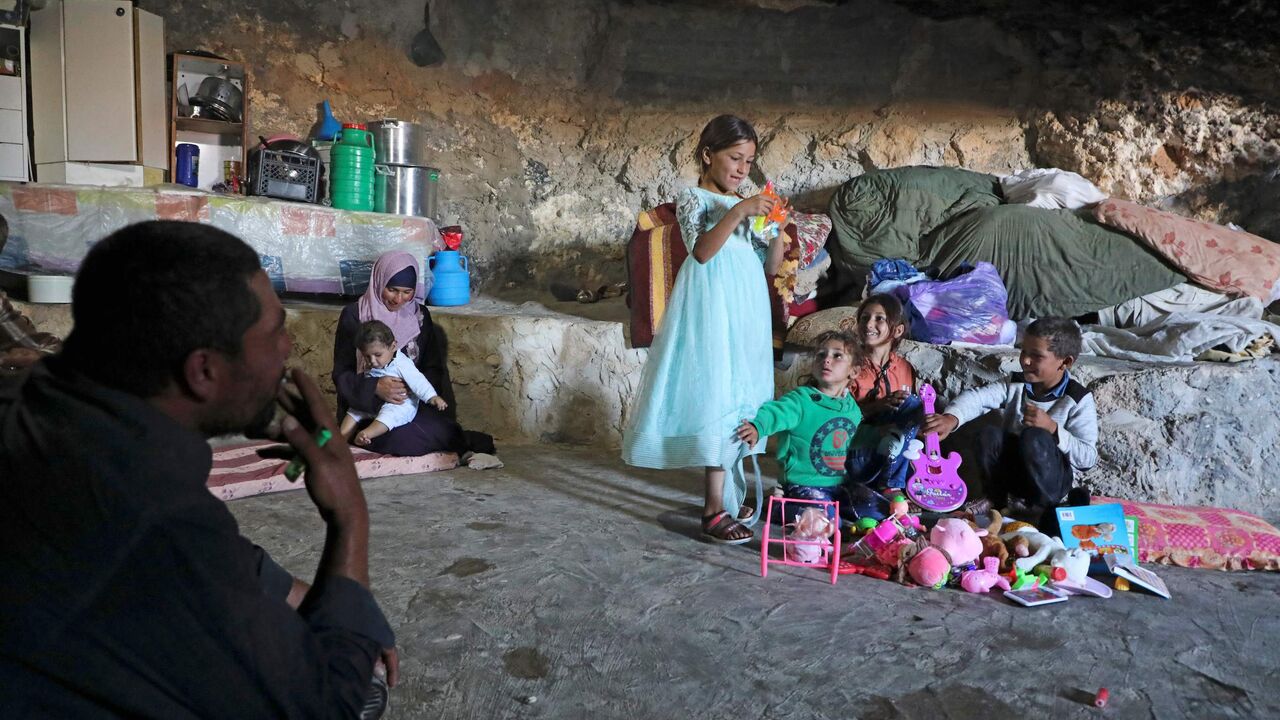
[[452, 273], [351, 178]]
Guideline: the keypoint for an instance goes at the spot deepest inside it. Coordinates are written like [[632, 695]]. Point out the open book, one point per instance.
[[1129, 570]]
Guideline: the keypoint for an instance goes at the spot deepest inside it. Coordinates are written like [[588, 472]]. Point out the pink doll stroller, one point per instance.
[[812, 540]]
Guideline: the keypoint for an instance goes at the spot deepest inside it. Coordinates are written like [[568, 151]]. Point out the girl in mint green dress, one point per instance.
[[711, 362]]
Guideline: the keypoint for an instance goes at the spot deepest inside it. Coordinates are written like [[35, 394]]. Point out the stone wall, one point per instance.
[[556, 122]]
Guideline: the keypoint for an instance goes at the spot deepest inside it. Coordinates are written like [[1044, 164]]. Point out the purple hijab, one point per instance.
[[406, 322]]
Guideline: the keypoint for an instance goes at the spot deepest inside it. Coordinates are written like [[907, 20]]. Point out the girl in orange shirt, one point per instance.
[[885, 388]]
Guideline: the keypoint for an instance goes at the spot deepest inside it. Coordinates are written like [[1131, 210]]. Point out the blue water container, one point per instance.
[[452, 273], [188, 166]]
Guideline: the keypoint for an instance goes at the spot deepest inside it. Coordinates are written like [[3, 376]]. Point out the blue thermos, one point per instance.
[[452, 278], [188, 165]]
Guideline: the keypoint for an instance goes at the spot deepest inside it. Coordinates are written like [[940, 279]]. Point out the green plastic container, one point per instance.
[[351, 174]]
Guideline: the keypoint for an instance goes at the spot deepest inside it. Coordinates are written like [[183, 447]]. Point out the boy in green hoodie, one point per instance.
[[817, 421]]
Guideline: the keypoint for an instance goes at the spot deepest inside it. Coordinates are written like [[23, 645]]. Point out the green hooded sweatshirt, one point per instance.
[[816, 433]]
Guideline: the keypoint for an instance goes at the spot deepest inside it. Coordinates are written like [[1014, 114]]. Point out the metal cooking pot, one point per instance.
[[405, 190], [399, 142], [219, 98]]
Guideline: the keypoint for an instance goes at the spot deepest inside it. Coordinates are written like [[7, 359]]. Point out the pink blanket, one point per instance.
[[238, 471], [1213, 256]]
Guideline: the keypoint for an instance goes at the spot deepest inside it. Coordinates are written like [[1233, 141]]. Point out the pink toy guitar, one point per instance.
[[935, 485]]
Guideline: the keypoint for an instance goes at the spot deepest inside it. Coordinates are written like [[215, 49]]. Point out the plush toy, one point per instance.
[[812, 526], [1074, 561], [992, 545], [980, 581], [1039, 546], [952, 543], [1017, 544]]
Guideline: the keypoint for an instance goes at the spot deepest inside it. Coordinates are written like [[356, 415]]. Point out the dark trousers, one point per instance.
[[1028, 466]]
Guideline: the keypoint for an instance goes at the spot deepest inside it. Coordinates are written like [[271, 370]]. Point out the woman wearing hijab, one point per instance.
[[390, 298]]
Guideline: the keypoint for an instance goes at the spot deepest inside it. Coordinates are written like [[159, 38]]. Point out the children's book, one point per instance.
[[1140, 576], [1099, 529]]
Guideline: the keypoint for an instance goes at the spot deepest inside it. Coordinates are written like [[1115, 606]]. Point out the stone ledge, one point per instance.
[[1202, 434]]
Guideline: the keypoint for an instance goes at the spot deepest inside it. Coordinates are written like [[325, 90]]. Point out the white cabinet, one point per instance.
[[14, 149], [97, 85]]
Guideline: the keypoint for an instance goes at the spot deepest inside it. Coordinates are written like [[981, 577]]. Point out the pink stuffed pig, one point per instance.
[[952, 542]]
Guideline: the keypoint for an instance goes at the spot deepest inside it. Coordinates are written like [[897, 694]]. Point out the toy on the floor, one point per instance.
[[935, 483], [992, 545], [1039, 546], [812, 525], [953, 545], [881, 545], [899, 508], [826, 546], [980, 581]]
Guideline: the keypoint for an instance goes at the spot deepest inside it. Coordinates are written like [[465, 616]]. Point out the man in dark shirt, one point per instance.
[[126, 589]]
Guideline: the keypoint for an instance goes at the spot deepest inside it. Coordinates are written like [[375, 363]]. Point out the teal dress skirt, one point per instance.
[[711, 363]]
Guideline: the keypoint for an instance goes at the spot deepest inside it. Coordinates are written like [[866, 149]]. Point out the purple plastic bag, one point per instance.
[[967, 308]]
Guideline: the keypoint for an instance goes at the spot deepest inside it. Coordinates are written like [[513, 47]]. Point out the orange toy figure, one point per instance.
[[1086, 534], [777, 217]]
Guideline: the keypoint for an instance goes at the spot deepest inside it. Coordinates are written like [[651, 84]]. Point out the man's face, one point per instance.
[[249, 400]]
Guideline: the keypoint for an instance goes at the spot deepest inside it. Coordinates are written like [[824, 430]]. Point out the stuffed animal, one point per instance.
[[1039, 546], [1017, 544], [992, 545], [952, 543], [1074, 561], [980, 581]]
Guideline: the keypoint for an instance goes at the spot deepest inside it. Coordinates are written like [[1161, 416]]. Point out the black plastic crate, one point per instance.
[[286, 176]]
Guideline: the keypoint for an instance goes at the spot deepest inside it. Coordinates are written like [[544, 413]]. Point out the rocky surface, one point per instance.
[[555, 124]]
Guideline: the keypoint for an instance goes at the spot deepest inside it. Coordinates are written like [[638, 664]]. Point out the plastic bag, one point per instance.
[[966, 308]]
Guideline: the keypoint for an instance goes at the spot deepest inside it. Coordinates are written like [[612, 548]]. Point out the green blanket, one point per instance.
[[1052, 261], [885, 213]]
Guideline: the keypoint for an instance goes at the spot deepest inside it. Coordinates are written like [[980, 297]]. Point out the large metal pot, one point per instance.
[[405, 190], [399, 142], [220, 99]]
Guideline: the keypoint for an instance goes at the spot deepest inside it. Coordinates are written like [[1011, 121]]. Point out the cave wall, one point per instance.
[[556, 121]]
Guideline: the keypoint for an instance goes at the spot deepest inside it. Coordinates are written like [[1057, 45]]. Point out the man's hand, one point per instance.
[[944, 425], [748, 433], [1034, 417], [392, 390], [391, 660], [331, 474]]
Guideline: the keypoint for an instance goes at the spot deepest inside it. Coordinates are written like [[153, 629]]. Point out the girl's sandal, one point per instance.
[[721, 528]]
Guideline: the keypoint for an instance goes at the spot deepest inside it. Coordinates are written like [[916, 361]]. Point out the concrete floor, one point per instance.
[[569, 586]]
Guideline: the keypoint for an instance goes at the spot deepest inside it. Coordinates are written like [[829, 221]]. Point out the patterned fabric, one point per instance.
[[654, 256], [812, 230], [807, 328], [239, 471], [1206, 537], [1217, 257]]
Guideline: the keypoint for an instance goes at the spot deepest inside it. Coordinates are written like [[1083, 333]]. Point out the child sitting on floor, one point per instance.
[[1049, 428], [884, 387], [818, 421], [377, 345]]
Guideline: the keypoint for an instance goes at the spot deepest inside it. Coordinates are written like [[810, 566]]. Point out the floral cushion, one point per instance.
[[1206, 537], [1217, 257]]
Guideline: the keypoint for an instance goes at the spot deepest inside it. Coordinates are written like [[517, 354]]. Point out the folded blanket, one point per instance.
[[1179, 337], [239, 471], [1049, 188]]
